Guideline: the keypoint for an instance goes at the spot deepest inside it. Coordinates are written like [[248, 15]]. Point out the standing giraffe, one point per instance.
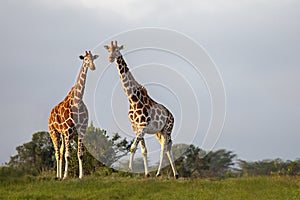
[[69, 117], [146, 115]]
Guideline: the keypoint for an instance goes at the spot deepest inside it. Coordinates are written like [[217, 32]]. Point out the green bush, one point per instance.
[[6, 172]]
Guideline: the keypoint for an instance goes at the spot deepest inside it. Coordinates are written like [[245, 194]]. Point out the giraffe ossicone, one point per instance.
[[71, 117], [146, 115]]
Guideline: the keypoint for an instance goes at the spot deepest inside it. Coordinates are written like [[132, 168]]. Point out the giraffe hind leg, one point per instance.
[[55, 137], [62, 153], [161, 141], [80, 154], [166, 145], [67, 154], [166, 148]]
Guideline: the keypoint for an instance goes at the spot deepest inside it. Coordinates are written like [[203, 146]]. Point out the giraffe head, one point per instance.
[[88, 59], [114, 50]]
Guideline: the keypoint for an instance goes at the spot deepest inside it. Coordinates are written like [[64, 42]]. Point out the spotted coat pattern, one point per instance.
[[70, 117], [146, 115]]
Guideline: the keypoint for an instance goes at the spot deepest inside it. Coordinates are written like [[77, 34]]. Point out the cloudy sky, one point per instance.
[[254, 44]]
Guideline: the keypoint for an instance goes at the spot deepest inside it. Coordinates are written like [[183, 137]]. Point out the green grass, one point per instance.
[[140, 188]]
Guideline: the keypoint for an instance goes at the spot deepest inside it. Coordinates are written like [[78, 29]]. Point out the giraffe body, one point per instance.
[[70, 117], [146, 115]]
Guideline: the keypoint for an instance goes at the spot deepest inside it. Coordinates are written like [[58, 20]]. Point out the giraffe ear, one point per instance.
[[122, 47], [106, 47], [95, 57], [81, 57]]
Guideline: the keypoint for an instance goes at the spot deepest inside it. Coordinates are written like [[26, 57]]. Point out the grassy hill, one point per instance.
[[92, 187]]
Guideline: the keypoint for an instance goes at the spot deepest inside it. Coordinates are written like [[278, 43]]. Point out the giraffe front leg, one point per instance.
[[132, 152], [144, 153]]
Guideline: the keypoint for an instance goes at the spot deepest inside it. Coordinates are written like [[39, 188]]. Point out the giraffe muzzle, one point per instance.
[[92, 67], [111, 59]]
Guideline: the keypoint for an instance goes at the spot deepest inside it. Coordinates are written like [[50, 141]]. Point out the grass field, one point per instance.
[[151, 188]]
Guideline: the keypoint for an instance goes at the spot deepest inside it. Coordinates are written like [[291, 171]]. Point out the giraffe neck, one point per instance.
[[78, 89], [130, 85]]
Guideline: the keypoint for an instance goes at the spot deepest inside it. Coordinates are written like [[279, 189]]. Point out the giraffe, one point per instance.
[[71, 117], [146, 115]]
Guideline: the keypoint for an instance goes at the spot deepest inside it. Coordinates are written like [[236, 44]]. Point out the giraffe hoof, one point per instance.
[[158, 175], [176, 176], [147, 175]]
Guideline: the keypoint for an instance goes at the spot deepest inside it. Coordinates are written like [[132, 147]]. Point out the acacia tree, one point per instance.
[[35, 156], [219, 162], [38, 155], [195, 162], [105, 149], [270, 167], [100, 151]]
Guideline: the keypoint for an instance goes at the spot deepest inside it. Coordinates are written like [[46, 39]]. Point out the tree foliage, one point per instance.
[[195, 162], [270, 167], [35, 156], [102, 151]]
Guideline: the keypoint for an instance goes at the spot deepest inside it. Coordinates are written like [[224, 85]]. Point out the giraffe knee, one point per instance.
[[144, 151], [80, 154], [67, 154], [80, 157], [57, 155], [143, 147], [67, 157], [133, 147], [132, 150]]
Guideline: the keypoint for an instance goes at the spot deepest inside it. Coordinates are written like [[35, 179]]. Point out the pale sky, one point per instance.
[[254, 44]]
